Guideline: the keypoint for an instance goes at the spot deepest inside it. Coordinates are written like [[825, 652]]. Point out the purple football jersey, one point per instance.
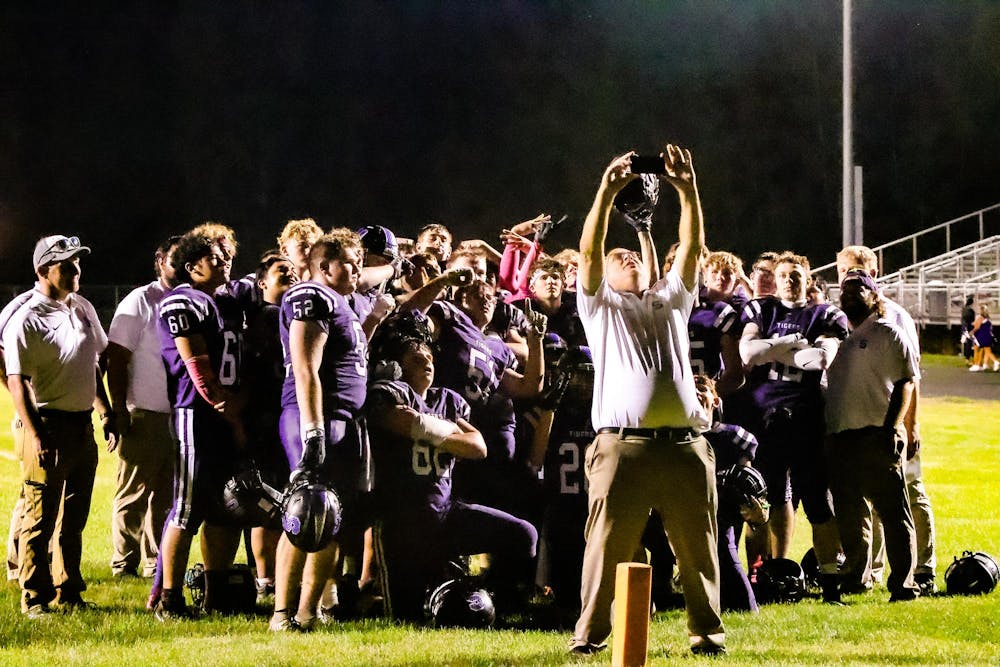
[[464, 360], [708, 322], [343, 371], [730, 444], [263, 363], [185, 312], [571, 433], [362, 303], [415, 475], [773, 384]]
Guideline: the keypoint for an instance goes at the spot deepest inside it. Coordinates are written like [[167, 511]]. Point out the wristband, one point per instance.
[[199, 367], [311, 430]]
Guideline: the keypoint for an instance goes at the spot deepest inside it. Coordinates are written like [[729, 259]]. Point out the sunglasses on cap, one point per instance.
[[64, 244]]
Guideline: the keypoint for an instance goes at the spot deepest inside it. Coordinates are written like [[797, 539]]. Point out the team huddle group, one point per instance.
[[369, 411]]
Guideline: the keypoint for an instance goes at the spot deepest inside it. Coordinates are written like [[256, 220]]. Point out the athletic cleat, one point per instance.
[[926, 584], [73, 602], [904, 595], [307, 625], [708, 648], [37, 612], [163, 613], [282, 622]]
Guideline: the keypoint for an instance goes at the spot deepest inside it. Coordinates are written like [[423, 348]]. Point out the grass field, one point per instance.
[[961, 471]]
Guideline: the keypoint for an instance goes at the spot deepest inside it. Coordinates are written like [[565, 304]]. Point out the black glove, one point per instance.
[[558, 381], [544, 229], [313, 454]]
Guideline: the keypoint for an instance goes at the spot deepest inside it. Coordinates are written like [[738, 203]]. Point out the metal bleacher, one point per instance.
[[932, 272]]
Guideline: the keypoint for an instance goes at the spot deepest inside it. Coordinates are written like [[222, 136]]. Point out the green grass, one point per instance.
[[961, 466], [942, 361]]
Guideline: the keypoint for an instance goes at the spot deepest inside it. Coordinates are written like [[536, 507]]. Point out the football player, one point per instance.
[[789, 344], [321, 427], [713, 324], [563, 432], [733, 446], [478, 366], [264, 375], [548, 296], [202, 362], [418, 431]]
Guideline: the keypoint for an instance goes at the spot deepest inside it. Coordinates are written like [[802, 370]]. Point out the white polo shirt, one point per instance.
[[134, 328], [896, 314], [871, 359], [12, 307], [56, 345], [640, 346]]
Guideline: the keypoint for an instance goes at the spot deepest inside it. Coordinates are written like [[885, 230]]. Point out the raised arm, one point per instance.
[[649, 258], [423, 298], [595, 226], [691, 232], [529, 385]]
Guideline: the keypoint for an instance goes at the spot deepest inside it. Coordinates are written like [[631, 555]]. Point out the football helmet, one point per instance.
[[393, 336], [973, 573], [780, 580], [194, 581], [250, 501], [311, 514], [460, 603], [810, 568], [637, 201], [378, 240], [241, 590], [744, 487]]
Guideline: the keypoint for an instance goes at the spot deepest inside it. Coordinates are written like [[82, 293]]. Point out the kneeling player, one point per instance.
[[733, 446], [417, 433]]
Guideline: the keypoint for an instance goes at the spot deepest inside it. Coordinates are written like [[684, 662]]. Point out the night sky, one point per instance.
[[126, 122]]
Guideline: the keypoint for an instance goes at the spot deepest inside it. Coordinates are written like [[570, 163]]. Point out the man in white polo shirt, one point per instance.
[[51, 349], [15, 517], [137, 383], [870, 385], [920, 503], [649, 452]]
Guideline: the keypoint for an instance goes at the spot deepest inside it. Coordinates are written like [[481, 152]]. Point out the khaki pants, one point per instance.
[[628, 477], [69, 482], [14, 534], [144, 492], [867, 465], [923, 521]]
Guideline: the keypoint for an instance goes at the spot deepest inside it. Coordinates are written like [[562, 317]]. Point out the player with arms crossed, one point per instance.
[[789, 344]]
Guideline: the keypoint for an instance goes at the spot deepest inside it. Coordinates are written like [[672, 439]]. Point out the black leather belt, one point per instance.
[[665, 433], [80, 417]]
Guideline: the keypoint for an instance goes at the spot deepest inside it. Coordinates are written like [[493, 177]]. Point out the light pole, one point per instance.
[[848, 131]]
